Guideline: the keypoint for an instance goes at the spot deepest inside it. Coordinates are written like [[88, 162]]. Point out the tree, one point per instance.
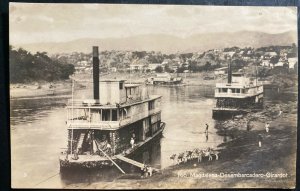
[[274, 59], [25, 67], [159, 69], [238, 64], [207, 66], [180, 70], [294, 48], [168, 69]]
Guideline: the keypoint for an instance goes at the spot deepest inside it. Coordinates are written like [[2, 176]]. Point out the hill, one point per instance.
[[168, 43]]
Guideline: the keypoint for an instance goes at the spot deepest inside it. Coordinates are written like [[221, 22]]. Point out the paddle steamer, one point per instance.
[[164, 79], [239, 95], [119, 120]]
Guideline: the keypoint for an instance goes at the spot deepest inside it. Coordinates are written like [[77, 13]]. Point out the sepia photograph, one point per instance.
[[152, 96]]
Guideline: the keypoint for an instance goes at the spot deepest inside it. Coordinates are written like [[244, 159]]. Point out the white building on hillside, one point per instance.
[[292, 62]]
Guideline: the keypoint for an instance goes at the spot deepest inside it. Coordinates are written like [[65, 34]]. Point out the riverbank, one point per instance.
[[189, 79], [43, 88], [275, 160], [40, 89]]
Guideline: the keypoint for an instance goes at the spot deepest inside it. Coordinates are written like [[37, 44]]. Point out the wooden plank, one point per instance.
[[133, 162], [130, 161]]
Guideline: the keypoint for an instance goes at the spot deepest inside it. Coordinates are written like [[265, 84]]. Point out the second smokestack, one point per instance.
[[96, 72], [229, 73]]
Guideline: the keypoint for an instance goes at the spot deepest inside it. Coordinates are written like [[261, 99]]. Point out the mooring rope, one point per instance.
[[47, 179]]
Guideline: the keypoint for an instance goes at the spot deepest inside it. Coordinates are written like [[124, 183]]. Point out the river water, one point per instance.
[[39, 134]]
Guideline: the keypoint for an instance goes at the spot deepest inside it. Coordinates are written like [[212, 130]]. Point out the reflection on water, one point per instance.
[[27, 110], [186, 110], [38, 134]]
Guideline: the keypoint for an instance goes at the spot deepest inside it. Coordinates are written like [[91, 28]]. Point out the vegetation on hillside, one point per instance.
[[27, 67]]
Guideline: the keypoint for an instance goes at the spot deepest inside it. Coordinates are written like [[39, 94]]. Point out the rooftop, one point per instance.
[[112, 80], [223, 68], [132, 85]]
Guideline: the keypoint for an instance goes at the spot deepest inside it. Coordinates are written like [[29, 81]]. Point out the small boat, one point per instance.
[[120, 119], [239, 95], [164, 79]]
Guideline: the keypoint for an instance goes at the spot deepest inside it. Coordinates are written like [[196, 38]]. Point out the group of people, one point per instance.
[[146, 171]]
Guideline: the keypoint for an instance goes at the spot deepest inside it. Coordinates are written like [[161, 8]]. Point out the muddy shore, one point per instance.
[[275, 160], [35, 89]]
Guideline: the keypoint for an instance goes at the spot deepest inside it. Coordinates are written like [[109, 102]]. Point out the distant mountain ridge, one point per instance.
[[168, 43]]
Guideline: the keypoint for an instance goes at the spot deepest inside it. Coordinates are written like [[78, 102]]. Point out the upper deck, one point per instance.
[[240, 87], [119, 105]]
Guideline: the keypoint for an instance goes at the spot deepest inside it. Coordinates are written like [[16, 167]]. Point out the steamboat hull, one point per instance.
[[219, 113], [237, 106], [91, 161], [166, 83]]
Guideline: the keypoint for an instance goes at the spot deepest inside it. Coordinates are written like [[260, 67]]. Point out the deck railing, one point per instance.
[[238, 85], [236, 95], [85, 123]]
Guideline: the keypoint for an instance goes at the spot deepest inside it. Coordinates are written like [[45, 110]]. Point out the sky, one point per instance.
[[33, 23]]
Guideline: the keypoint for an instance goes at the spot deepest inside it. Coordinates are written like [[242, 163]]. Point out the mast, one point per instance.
[[72, 115]]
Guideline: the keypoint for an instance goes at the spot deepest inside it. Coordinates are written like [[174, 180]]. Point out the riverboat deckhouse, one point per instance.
[[240, 94]]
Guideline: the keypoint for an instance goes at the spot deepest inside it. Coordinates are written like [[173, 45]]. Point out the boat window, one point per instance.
[[151, 105], [105, 114], [121, 114], [238, 91], [121, 85], [233, 90], [114, 115], [243, 91], [224, 90]]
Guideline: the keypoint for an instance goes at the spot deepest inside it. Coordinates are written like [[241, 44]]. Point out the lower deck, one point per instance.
[[232, 103], [224, 113], [90, 160], [227, 107]]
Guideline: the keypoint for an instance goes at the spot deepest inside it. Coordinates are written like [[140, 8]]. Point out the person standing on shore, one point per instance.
[[248, 125], [267, 127], [206, 129], [259, 140]]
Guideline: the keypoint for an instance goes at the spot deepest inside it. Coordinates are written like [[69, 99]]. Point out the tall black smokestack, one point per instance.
[[229, 73], [96, 72]]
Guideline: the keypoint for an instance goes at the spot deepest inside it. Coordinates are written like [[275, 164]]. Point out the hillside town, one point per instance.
[[272, 57]]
